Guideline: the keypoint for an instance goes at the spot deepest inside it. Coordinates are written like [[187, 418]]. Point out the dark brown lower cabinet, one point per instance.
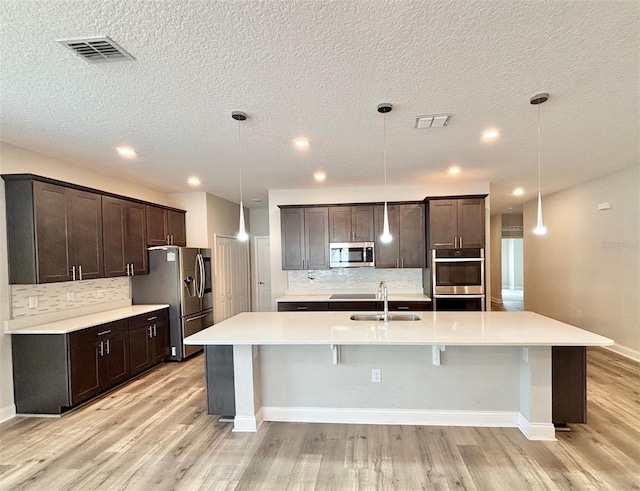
[[569, 384], [357, 306], [98, 359], [54, 372], [148, 340]]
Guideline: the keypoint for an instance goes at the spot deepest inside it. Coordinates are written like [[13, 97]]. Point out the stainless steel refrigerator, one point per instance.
[[180, 277]]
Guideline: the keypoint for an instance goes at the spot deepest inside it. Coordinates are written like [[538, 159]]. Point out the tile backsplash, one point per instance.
[[354, 280], [56, 297]]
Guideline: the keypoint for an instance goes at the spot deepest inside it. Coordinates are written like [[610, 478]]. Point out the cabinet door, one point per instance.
[[471, 222], [85, 246], [362, 223], [292, 234], [139, 349], [443, 223], [160, 342], [135, 237], [316, 235], [114, 362], [340, 224], [412, 236], [387, 255], [156, 225], [176, 228], [52, 227], [84, 372], [113, 217]]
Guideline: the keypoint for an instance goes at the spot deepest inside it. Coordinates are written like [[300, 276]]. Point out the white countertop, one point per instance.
[[398, 297], [434, 328], [84, 321]]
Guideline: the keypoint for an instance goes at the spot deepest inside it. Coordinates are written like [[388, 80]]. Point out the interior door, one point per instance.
[[262, 268], [231, 277]]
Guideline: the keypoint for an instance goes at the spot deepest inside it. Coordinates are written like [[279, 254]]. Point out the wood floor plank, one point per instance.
[[154, 433]]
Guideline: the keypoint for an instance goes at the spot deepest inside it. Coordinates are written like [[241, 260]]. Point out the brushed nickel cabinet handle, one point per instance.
[[107, 346], [73, 273], [152, 318], [80, 271], [101, 349], [102, 333], [155, 332], [460, 242]]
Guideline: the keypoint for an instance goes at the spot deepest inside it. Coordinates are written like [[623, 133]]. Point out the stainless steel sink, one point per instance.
[[379, 317]]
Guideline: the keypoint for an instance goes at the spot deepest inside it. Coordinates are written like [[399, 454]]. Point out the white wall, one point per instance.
[[586, 270], [512, 264], [495, 271], [16, 160], [322, 195]]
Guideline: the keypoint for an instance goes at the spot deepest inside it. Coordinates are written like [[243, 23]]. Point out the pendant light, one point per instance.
[[384, 108], [540, 228], [242, 233]]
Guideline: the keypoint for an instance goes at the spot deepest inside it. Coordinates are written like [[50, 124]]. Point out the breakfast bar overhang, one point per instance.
[[445, 369]]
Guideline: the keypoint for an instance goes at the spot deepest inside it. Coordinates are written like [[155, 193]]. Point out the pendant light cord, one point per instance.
[[539, 186], [384, 151], [240, 160]]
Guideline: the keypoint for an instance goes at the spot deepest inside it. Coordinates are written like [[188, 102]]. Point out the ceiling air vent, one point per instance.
[[97, 50], [432, 121]]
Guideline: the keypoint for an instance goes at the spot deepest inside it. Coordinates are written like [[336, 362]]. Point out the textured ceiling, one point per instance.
[[318, 69]]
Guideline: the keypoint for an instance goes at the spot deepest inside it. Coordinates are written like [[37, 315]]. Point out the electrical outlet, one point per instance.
[[375, 375], [71, 297], [33, 302], [173, 351]]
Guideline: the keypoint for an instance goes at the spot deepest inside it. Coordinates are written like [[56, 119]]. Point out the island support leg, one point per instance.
[[247, 388], [535, 419]]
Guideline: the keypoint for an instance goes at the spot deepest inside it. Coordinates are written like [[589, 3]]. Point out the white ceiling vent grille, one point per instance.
[[97, 50], [432, 121]]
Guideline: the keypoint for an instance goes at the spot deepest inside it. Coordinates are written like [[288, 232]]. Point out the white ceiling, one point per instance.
[[318, 69]]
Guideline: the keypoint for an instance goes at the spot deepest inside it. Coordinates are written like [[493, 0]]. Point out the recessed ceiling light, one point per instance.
[[490, 135], [301, 142], [193, 181], [319, 176], [518, 191], [454, 169], [256, 200], [127, 152]]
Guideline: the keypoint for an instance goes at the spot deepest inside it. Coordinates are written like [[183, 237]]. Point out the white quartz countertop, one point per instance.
[[434, 328], [82, 322], [398, 297]]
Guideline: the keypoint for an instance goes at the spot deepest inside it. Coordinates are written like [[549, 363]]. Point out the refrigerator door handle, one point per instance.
[[199, 275], [202, 275]]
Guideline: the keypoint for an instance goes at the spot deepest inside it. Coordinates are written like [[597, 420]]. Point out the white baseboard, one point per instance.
[[7, 412], [536, 431], [391, 416], [624, 351]]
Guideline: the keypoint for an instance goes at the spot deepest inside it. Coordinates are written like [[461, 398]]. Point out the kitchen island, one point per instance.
[[447, 368]]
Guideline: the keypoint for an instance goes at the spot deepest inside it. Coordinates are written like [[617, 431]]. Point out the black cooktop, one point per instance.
[[353, 296]]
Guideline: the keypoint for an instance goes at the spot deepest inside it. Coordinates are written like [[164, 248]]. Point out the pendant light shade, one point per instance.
[[386, 236], [540, 228], [242, 232]]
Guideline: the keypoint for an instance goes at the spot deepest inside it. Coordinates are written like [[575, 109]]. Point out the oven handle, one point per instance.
[[189, 319], [458, 260]]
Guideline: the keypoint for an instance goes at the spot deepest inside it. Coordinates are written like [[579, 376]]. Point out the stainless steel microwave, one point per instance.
[[351, 254]]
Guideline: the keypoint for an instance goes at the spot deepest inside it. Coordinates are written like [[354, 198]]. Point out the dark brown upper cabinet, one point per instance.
[[165, 227], [125, 239], [351, 223], [305, 237], [456, 223], [53, 233], [406, 224]]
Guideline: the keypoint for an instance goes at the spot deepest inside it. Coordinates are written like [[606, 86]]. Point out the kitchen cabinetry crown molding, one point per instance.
[[78, 187]]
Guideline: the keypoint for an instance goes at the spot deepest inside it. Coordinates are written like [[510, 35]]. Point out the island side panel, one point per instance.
[[476, 386], [535, 393], [220, 381]]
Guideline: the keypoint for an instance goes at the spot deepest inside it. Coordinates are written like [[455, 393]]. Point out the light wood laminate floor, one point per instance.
[[154, 433]]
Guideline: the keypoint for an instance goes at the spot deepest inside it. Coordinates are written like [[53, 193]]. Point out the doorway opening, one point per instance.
[[512, 274]]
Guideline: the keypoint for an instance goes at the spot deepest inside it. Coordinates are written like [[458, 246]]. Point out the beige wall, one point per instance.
[[195, 205], [586, 270], [495, 238], [223, 218], [16, 160]]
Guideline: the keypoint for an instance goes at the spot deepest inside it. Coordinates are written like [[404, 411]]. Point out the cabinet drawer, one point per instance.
[[93, 334], [355, 306], [414, 306], [142, 320], [302, 306]]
